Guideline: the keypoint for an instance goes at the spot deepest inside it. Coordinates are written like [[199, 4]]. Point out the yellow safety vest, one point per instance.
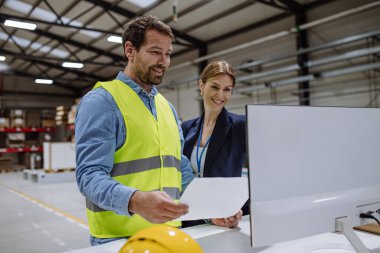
[[149, 159]]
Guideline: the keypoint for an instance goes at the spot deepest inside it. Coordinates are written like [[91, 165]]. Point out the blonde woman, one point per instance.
[[215, 141]]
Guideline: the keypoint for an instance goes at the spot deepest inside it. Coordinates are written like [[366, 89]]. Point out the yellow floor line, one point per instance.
[[56, 210]]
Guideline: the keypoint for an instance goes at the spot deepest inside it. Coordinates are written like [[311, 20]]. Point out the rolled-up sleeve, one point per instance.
[[96, 128]]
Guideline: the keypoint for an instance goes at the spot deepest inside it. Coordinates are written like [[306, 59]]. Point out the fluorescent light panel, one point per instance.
[[44, 81], [2, 58], [142, 3], [18, 24], [75, 65], [115, 39]]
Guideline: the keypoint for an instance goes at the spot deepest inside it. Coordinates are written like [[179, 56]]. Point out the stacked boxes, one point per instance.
[[61, 116], [71, 121], [48, 118], [5, 164], [17, 118], [15, 140], [4, 122], [72, 113], [33, 119]]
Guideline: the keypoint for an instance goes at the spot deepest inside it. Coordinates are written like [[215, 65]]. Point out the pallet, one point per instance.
[[59, 170], [10, 169], [6, 170], [42, 177]]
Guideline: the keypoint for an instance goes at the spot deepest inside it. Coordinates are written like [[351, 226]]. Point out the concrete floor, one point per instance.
[[41, 217]]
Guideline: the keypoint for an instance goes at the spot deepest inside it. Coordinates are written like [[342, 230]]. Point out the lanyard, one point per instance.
[[199, 158]]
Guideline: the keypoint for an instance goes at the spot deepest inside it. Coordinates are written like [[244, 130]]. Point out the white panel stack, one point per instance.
[[59, 156]]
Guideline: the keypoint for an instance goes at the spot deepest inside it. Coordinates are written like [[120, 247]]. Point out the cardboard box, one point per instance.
[[48, 122], [33, 119], [17, 122], [17, 113], [4, 122], [6, 163]]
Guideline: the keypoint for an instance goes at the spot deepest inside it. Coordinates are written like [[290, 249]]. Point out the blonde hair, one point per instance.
[[218, 68]]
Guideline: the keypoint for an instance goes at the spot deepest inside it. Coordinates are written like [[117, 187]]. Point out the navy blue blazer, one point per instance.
[[226, 152]]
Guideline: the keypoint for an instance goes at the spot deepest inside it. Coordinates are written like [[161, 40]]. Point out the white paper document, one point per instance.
[[214, 197]]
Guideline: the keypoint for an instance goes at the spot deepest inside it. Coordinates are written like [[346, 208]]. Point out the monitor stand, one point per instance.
[[344, 226]]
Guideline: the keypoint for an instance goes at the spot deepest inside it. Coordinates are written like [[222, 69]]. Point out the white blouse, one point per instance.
[[193, 160]]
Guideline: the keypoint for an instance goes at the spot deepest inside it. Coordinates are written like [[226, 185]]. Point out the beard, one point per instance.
[[149, 76]]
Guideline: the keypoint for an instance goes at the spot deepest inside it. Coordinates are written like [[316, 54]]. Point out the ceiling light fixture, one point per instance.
[[18, 24], [2, 58], [75, 65], [142, 3], [114, 39], [44, 81]]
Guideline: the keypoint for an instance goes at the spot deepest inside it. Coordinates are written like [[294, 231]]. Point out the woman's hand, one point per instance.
[[230, 222]]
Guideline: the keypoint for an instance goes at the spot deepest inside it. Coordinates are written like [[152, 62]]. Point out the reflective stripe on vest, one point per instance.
[[145, 164], [149, 160]]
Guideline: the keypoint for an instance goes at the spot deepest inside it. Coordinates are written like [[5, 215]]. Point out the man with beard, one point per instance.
[[129, 142]]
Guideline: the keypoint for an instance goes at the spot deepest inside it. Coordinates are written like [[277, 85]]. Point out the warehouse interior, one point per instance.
[[284, 52]]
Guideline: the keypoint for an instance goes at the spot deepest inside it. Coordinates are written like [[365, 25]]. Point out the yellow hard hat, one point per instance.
[[161, 239]]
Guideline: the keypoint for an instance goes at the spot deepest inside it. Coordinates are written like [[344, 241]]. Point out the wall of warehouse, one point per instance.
[[350, 90]]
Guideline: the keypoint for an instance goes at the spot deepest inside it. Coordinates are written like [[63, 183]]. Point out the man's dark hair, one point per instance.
[[136, 28]]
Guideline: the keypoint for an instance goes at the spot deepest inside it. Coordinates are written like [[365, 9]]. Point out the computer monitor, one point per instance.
[[309, 166]]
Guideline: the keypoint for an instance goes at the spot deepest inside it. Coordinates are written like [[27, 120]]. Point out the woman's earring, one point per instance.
[[202, 93]]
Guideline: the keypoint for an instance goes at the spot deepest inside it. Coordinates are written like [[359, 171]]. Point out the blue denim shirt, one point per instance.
[[99, 131]]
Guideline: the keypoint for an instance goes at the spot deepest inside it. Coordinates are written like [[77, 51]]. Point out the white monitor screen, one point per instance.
[[309, 166]]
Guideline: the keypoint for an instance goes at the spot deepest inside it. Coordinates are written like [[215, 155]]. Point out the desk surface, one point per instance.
[[216, 239]]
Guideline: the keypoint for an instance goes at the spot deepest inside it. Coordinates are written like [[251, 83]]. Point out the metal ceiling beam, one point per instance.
[[14, 31], [109, 6], [311, 77], [56, 66], [52, 10], [65, 11], [151, 7], [62, 81], [250, 27], [293, 6], [302, 42], [330, 44], [265, 22], [219, 16], [316, 4], [99, 13], [189, 9], [24, 93], [82, 46], [62, 39], [76, 91], [273, 4], [56, 59]]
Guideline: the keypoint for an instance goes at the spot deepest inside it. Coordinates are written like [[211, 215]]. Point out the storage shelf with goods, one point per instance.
[[21, 150], [22, 133], [26, 129], [65, 121]]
